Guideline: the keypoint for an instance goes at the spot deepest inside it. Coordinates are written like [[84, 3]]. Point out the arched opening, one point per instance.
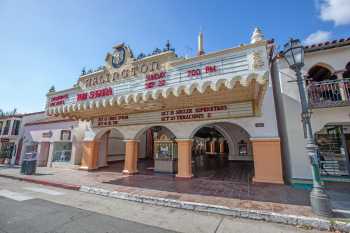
[[111, 150], [346, 74], [322, 85], [157, 151], [319, 73], [222, 151]]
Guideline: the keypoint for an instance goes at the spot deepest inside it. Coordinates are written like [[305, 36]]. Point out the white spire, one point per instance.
[[200, 50], [257, 36]]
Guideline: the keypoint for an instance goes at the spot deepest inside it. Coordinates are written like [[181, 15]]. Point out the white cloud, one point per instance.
[[317, 37], [337, 11]]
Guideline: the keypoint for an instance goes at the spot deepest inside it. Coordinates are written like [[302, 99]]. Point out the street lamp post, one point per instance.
[[320, 202]]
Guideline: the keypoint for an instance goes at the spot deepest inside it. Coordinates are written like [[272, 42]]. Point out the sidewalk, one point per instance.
[[196, 194]]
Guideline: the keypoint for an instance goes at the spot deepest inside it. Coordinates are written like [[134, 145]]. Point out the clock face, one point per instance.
[[118, 57]]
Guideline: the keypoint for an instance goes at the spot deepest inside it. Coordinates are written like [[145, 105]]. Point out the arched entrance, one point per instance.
[[111, 150], [222, 151], [157, 150]]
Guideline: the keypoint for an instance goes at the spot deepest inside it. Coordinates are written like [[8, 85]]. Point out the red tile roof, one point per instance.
[[327, 45]]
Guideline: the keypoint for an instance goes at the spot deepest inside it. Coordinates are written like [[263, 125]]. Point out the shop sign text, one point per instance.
[[198, 72], [110, 120], [58, 100], [155, 80], [95, 94], [191, 113], [114, 76]]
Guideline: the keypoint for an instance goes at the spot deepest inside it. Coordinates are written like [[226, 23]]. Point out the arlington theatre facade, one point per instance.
[[208, 115]]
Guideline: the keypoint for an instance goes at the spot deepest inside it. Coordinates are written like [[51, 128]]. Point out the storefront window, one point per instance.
[[65, 135], [6, 128], [7, 149], [1, 124], [333, 152], [62, 152]]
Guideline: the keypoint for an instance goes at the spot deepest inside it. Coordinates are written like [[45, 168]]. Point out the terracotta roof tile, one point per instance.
[[327, 45]]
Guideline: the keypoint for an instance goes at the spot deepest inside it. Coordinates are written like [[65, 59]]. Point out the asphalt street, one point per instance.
[[32, 208]]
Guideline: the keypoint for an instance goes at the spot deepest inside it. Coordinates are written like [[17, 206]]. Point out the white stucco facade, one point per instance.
[[289, 107], [48, 134]]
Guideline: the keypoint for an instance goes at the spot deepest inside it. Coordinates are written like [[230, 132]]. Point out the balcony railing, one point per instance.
[[330, 93]]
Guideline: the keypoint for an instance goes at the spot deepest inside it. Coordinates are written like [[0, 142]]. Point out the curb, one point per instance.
[[316, 223], [44, 182]]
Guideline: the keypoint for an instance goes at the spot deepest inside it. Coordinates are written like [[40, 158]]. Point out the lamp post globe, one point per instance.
[[320, 203]]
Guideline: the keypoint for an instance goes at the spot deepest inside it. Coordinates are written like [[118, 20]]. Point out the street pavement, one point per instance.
[[33, 208]]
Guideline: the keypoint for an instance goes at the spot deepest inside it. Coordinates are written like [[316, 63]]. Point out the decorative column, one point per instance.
[[267, 160], [184, 158], [222, 146], [89, 155], [343, 88], [50, 157], [131, 154]]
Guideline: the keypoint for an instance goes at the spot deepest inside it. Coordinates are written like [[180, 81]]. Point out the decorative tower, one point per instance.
[[257, 36], [200, 50]]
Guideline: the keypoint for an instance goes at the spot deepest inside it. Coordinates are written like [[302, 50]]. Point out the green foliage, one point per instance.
[[8, 113]]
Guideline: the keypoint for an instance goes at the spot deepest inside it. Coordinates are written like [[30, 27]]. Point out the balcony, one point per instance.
[[330, 93]]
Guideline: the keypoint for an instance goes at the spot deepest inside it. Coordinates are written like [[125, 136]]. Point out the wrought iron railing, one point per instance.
[[330, 93]]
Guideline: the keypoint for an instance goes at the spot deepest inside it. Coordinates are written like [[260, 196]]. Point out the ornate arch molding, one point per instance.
[[321, 64], [140, 132], [96, 134]]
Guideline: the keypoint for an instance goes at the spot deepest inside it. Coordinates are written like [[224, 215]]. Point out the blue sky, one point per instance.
[[44, 43]]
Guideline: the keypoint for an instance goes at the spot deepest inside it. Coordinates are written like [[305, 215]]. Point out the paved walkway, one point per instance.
[[267, 197]]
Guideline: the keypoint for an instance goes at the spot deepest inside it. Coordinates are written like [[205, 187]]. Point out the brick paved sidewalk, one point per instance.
[[265, 197]]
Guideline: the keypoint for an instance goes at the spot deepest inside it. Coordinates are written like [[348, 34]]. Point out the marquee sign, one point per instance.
[[191, 113], [177, 115], [160, 75], [120, 65], [95, 94], [58, 100]]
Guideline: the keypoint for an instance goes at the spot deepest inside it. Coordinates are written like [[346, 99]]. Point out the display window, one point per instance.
[[62, 152]]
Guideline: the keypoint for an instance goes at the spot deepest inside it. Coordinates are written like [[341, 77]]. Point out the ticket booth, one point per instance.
[[165, 154]]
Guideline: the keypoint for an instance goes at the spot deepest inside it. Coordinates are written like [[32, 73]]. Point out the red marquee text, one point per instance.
[[95, 94]]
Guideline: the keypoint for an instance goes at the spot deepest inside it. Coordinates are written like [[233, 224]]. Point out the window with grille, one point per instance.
[[6, 128], [15, 127]]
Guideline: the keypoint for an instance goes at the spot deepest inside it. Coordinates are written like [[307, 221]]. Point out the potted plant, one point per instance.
[[3, 156]]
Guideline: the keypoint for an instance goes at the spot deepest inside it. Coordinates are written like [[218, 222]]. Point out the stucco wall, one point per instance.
[[290, 108], [34, 133]]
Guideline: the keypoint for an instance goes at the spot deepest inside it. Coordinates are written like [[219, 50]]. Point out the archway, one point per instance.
[[111, 149], [346, 73], [157, 150], [222, 151], [321, 84]]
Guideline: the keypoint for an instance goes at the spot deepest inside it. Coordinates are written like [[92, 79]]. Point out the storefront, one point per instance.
[[327, 73], [188, 116], [333, 142], [53, 141]]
